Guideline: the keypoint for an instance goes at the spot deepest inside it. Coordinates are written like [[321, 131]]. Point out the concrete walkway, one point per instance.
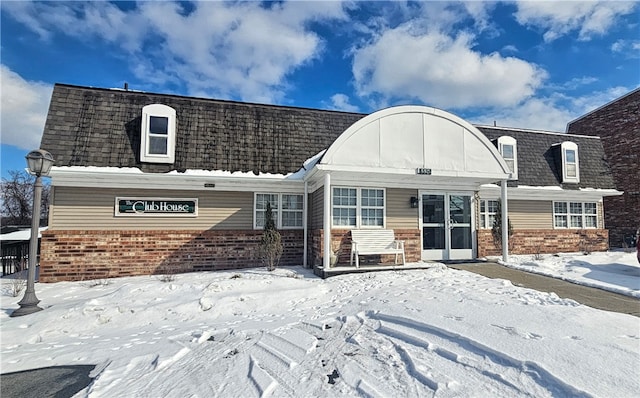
[[596, 298]]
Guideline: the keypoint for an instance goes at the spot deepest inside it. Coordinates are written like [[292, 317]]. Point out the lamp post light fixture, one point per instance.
[[39, 163]]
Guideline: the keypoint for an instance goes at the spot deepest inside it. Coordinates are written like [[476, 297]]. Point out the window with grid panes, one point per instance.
[[261, 207], [590, 215], [291, 211], [287, 209], [488, 209], [372, 207], [345, 204], [358, 207], [575, 215], [560, 216]]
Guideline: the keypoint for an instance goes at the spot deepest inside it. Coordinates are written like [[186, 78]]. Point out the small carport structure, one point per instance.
[[440, 156]]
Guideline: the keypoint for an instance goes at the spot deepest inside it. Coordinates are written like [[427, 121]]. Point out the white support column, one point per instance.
[[326, 258], [305, 216], [505, 221]]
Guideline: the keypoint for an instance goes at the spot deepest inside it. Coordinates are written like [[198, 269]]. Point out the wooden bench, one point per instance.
[[375, 241]]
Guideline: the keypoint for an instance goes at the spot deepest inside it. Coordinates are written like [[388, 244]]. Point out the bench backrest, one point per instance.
[[373, 238]]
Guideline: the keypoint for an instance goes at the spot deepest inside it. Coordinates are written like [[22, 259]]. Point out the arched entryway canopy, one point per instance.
[[412, 145]]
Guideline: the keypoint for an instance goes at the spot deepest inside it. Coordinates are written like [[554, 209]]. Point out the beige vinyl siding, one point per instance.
[[400, 215], [316, 203], [93, 209], [531, 214]]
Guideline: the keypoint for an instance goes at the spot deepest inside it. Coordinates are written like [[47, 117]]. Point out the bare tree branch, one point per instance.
[[16, 196]]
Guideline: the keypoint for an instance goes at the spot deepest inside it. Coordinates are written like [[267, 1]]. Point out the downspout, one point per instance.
[[326, 258], [505, 221], [305, 212]]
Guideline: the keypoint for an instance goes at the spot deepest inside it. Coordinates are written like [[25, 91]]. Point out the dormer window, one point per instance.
[[570, 163], [158, 135], [509, 150]]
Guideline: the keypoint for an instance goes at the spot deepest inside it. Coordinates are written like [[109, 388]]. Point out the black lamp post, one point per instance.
[[39, 163]]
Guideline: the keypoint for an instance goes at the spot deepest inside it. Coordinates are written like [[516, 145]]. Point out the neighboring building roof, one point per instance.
[[539, 166], [20, 236], [101, 128]]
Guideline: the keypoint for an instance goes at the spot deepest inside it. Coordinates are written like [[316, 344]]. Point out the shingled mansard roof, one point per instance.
[[101, 128], [538, 165]]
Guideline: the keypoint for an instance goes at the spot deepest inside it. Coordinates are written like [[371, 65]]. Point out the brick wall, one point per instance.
[[545, 241], [522, 242], [341, 240], [618, 124], [80, 255]]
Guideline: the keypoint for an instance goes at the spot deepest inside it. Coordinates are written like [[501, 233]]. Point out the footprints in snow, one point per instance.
[[512, 330]]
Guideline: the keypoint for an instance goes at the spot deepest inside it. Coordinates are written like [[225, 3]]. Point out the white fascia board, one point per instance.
[[373, 177], [130, 180], [547, 193], [412, 172]]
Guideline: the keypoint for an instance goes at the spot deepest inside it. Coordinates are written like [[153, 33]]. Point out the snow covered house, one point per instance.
[[149, 183]]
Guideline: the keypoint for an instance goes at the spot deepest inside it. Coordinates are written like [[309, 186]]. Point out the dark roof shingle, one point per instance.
[[538, 164], [98, 127], [101, 127]]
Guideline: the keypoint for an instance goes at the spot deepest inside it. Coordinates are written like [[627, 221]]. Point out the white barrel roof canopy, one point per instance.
[[405, 138]]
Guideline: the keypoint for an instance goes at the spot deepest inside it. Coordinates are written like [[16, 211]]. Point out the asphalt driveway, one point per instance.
[[54, 382]]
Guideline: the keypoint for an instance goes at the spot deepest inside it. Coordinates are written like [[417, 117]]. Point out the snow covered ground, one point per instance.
[[435, 332]]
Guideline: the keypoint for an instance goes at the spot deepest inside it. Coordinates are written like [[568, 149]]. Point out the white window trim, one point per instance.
[[568, 145], [485, 215], [158, 110], [359, 209], [568, 214], [507, 140], [279, 210]]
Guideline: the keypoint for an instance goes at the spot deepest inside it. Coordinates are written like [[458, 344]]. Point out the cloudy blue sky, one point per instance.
[[534, 64]]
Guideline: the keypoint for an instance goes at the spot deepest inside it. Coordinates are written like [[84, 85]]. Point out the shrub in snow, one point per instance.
[[167, 278], [271, 241], [586, 243], [168, 274], [17, 285], [97, 282], [496, 230]]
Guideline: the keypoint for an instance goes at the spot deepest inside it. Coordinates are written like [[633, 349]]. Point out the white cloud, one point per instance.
[[84, 21], [242, 50], [480, 12], [586, 103], [534, 113], [551, 113], [341, 102], [24, 105], [573, 84], [440, 70], [630, 48], [558, 18], [27, 13]]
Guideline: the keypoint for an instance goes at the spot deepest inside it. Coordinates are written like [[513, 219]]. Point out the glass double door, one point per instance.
[[447, 226]]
